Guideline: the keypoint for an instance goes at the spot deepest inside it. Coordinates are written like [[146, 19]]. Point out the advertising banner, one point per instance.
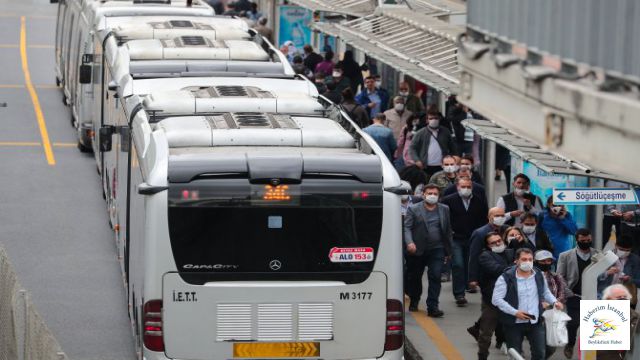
[[294, 25]]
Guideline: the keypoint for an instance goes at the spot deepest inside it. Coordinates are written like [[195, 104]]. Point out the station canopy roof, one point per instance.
[[543, 159], [347, 7], [418, 45]]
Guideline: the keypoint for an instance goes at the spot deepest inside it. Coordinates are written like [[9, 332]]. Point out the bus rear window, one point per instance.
[[231, 226]]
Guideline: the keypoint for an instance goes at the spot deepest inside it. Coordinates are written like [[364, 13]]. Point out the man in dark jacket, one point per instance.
[[519, 293], [467, 214], [430, 144], [311, 58], [520, 200], [427, 235], [494, 260], [535, 238], [375, 100]]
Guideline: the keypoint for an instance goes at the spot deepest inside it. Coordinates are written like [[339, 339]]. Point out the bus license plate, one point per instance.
[[276, 349]]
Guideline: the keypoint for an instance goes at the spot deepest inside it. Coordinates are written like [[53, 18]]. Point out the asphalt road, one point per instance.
[[53, 221]]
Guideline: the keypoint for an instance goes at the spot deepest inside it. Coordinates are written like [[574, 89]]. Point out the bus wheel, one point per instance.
[[84, 149]]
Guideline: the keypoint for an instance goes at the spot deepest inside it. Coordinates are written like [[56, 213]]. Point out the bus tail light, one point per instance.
[[395, 325], [152, 319]]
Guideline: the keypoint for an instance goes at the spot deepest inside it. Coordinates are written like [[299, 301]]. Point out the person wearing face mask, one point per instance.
[[467, 213], [447, 176], [374, 99], [478, 189], [519, 293], [619, 292], [559, 225], [411, 102], [520, 200], [397, 116], [428, 236], [466, 162], [495, 224], [338, 77], [626, 270], [532, 237], [319, 80], [494, 260], [571, 264], [411, 126], [431, 144]]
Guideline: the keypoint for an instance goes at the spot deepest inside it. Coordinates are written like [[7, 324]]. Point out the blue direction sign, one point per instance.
[[594, 196]]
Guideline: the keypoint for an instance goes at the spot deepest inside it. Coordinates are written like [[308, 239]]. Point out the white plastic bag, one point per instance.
[[556, 325]]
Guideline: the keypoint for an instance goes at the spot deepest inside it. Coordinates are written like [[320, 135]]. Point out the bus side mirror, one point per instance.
[[105, 135], [85, 74]]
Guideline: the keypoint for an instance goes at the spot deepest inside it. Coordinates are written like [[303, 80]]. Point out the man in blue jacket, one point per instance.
[[382, 135], [374, 99]]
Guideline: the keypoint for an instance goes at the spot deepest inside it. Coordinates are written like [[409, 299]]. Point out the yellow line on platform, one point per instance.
[[447, 349], [44, 134]]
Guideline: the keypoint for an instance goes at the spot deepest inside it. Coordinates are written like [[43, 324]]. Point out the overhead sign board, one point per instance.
[[594, 196]]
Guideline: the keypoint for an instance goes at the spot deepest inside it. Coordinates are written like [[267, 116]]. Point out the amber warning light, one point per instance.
[[276, 193]]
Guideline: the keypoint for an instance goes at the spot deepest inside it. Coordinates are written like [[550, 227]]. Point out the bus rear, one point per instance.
[[286, 255]]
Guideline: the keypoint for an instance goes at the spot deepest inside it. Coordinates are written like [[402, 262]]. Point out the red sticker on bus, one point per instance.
[[359, 254]]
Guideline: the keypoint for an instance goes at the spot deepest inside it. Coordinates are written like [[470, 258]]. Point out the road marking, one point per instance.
[[44, 134], [34, 46], [20, 86], [34, 143], [447, 349]]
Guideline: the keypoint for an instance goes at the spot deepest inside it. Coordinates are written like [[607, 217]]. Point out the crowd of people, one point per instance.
[[515, 252]]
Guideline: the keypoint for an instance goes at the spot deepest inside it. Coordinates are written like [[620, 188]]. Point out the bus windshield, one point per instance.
[[321, 226]]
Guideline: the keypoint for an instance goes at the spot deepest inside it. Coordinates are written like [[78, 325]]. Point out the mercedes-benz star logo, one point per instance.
[[275, 265]]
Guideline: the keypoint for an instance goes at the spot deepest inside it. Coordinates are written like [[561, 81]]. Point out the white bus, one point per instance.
[[193, 96], [117, 65], [77, 22], [260, 235]]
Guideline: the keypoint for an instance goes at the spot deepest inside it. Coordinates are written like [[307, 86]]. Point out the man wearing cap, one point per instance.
[[558, 287]]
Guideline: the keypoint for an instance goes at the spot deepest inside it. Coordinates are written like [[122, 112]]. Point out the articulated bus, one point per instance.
[[118, 65], [77, 22], [196, 96], [261, 235]]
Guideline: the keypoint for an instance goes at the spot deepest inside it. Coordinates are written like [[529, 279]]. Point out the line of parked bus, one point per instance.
[[253, 218]]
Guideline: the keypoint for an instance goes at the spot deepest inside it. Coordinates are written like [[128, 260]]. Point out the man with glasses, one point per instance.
[[494, 260]]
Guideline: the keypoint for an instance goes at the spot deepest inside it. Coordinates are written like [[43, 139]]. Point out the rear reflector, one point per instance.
[[395, 325], [152, 325]]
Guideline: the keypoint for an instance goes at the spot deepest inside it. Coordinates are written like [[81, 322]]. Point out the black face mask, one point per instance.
[[584, 245], [543, 267]]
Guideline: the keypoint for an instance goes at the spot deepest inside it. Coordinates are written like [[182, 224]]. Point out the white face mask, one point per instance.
[[336, 74], [498, 220], [378, 84], [520, 192], [464, 192], [465, 167], [399, 107], [622, 253], [450, 168], [434, 124], [526, 266], [403, 93], [499, 249], [528, 229], [431, 199]]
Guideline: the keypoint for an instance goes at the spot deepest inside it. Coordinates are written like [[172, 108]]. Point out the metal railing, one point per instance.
[[23, 333]]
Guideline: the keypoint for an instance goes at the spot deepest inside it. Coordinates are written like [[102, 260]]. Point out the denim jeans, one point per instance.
[[432, 259], [535, 333], [460, 266]]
